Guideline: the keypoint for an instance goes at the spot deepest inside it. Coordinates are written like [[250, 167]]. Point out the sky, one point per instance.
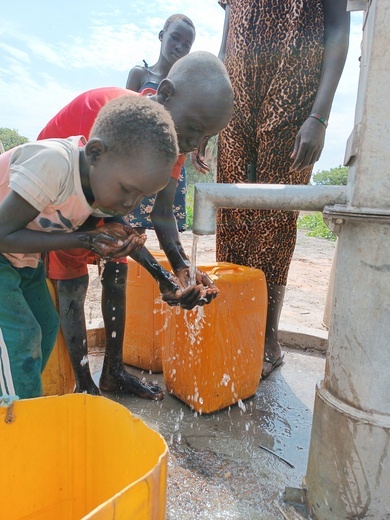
[[52, 51]]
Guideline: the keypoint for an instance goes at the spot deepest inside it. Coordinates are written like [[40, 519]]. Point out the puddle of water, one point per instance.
[[216, 467]]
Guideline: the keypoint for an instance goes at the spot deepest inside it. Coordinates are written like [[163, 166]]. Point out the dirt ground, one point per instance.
[[307, 282]]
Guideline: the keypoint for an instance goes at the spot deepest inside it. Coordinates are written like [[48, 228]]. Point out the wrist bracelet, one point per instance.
[[320, 118]]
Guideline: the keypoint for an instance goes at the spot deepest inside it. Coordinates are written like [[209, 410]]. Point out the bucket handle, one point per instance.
[[227, 269]]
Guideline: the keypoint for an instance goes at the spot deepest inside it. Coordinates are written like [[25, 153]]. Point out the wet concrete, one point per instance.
[[217, 466]]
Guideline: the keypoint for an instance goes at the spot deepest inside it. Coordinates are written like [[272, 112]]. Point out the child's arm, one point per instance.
[[175, 290], [136, 78], [167, 282], [165, 226], [310, 139], [16, 213]]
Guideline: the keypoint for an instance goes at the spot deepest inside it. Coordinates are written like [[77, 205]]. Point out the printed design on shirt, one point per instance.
[[140, 217], [46, 223]]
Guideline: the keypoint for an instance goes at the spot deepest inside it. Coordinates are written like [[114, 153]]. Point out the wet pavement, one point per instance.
[[219, 464]]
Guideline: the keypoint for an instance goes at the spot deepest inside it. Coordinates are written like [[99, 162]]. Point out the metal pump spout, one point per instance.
[[208, 198]]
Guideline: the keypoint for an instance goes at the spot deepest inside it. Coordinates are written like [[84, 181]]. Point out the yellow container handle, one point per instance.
[[226, 268]]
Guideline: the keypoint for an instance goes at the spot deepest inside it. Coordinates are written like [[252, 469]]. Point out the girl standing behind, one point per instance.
[[176, 37]]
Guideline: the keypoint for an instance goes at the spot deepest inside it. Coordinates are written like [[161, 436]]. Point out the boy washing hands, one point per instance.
[[48, 190]]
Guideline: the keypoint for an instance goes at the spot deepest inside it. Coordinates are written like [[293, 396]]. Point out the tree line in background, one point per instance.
[[10, 138], [312, 222]]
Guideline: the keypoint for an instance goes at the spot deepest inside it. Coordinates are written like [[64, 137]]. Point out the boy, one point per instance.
[[198, 94], [48, 190]]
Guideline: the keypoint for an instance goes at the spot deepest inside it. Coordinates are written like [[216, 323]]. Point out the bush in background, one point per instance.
[[333, 177], [11, 138], [314, 223], [315, 226]]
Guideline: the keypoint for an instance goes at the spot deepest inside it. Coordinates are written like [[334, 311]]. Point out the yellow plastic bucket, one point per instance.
[[79, 457]]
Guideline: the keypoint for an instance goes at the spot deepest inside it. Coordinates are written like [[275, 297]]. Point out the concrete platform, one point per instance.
[[290, 336], [303, 338], [219, 464], [217, 469]]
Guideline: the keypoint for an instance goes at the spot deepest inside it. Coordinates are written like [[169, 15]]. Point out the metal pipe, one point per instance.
[[209, 197]]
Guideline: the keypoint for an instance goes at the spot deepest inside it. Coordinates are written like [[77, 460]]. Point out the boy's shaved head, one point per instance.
[[202, 70], [199, 96]]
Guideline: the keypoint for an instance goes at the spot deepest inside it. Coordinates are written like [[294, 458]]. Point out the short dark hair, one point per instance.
[[175, 17], [128, 123]]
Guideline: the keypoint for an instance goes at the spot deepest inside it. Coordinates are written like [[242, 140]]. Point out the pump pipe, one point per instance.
[[209, 197]]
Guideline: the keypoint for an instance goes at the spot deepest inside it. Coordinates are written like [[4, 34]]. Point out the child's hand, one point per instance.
[[198, 160], [209, 289], [186, 298], [113, 240], [199, 163], [309, 143], [132, 244]]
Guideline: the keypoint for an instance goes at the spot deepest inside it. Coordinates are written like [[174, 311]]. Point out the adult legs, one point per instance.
[[272, 349], [259, 238]]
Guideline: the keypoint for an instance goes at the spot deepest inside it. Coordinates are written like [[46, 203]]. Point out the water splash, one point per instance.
[[241, 405], [195, 240], [84, 361], [194, 321], [225, 379]]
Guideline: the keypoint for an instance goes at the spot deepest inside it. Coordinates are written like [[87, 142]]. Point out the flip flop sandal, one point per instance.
[[275, 364]]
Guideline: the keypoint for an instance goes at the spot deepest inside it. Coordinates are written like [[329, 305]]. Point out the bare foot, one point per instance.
[[123, 382]]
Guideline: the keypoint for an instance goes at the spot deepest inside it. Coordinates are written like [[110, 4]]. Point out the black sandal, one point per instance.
[[274, 364]]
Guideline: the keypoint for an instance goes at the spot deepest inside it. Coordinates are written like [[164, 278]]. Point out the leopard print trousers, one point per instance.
[[273, 57]]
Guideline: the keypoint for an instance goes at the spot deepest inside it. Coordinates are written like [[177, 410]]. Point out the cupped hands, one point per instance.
[[188, 295], [113, 240]]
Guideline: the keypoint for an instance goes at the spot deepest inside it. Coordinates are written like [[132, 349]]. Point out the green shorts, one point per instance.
[[29, 325]]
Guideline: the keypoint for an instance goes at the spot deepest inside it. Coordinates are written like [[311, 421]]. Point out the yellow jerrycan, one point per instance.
[[215, 356]]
